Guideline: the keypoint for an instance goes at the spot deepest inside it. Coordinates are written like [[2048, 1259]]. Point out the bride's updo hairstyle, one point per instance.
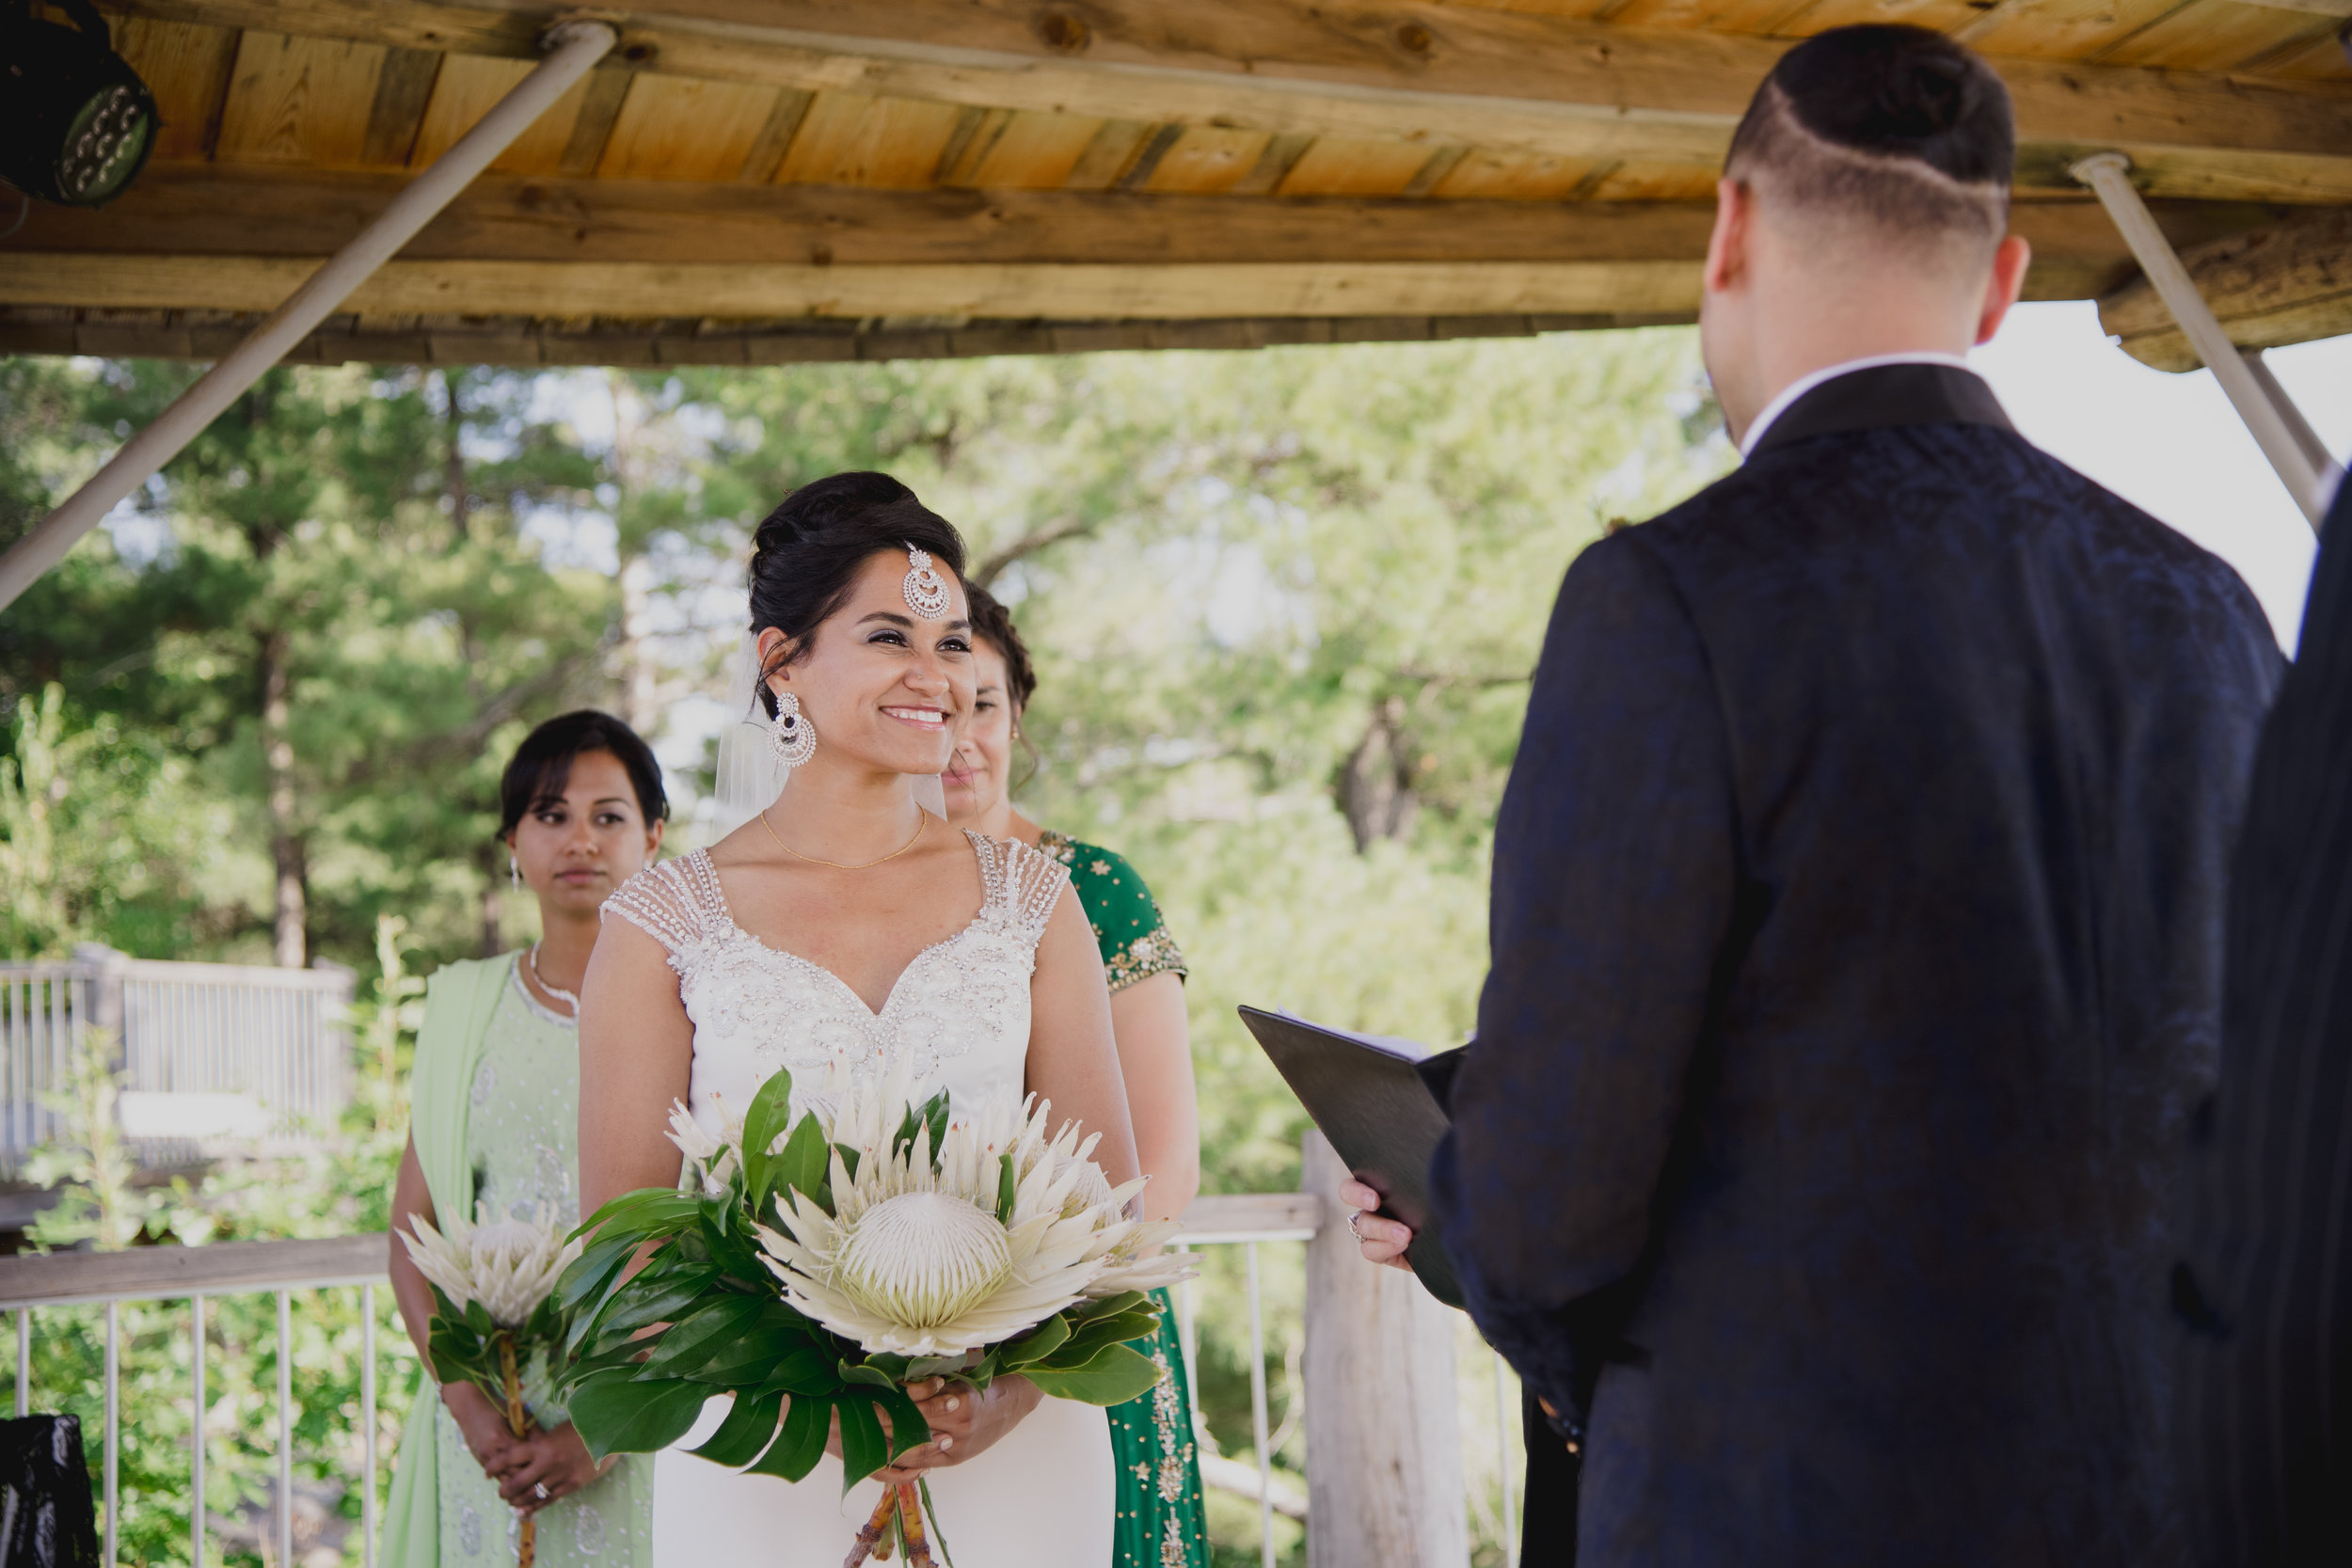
[[809, 551]]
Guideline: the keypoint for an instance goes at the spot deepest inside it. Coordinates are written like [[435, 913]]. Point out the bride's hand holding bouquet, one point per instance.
[[818, 1265]]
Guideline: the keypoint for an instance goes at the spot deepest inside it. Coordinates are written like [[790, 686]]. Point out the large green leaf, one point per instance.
[[748, 1429], [1117, 1375], [701, 1333], [645, 1213], [652, 1298], [806, 1166], [763, 1124], [807, 1422], [863, 1451], [1039, 1343], [772, 1352], [1088, 1338], [908, 1429], [593, 1270], [617, 1414]]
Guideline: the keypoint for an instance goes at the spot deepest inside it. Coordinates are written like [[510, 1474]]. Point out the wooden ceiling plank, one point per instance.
[[968, 145], [1207, 161], [856, 139], [1344, 165], [1115, 145], [1037, 151], [2065, 29], [1146, 162], [188, 67], [299, 100], [1280, 156], [1433, 170], [1513, 177], [675, 128], [1374, 68], [776, 137], [404, 91], [602, 94], [1644, 182], [2220, 31], [466, 88]]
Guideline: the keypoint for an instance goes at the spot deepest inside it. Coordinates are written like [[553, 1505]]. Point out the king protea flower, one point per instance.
[[915, 1260], [509, 1265]]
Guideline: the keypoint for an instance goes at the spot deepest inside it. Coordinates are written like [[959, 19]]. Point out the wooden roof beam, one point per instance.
[[2287, 284], [1390, 68]]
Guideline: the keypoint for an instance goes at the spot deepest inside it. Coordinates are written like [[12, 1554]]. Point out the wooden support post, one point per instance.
[[1384, 1440]]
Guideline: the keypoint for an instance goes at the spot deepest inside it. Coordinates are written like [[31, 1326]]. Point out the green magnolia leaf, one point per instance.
[[807, 1421], [806, 1370], [1127, 1300], [908, 1429], [1117, 1375], [746, 1433], [617, 1414], [867, 1372], [848, 1159], [763, 1124], [593, 1270], [863, 1451], [701, 1333], [1089, 1338], [643, 1215], [1039, 1343]]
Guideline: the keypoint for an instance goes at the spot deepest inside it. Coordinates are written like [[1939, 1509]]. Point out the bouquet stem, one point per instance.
[[904, 1502], [527, 1545]]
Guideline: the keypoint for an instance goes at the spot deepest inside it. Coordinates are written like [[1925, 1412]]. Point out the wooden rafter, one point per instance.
[[2286, 283], [1437, 76]]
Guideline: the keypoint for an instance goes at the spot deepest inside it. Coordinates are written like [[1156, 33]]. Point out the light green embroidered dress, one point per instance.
[[519, 1108]]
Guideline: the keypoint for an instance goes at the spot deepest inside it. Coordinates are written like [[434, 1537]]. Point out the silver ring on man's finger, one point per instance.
[[541, 1492], [1355, 1224]]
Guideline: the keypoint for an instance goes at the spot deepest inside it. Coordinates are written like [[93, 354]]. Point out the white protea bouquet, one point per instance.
[[817, 1264], [494, 1305]]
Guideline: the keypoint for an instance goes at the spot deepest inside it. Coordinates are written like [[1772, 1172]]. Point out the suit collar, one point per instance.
[[1882, 395]]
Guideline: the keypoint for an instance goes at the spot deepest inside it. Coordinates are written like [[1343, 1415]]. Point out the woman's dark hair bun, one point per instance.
[[808, 551]]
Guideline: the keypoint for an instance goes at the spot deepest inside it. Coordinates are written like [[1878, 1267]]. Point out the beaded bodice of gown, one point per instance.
[[959, 1013]]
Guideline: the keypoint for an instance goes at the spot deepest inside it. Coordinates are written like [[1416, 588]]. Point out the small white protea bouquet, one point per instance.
[[494, 1305], [815, 1264]]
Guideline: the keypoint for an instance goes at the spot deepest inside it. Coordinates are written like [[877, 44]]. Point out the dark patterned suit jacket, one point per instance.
[[2265, 1387], [1856, 961]]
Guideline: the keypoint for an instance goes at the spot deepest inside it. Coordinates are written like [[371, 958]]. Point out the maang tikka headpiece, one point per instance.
[[925, 589]]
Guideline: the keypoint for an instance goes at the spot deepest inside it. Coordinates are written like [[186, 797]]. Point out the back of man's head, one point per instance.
[[1883, 136]]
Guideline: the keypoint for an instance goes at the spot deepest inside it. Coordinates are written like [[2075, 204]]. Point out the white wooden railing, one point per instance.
[[198, 1042], [1384, 1458]]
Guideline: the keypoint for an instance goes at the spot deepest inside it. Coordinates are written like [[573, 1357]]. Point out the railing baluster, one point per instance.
[[23, 1360], [367, 1424], [285, 1430], [1257, 1417], [195, 1442], [114, 1420], [1503, 1464]]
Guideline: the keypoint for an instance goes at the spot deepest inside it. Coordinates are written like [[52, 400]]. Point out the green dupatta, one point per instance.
[[459, 1002]]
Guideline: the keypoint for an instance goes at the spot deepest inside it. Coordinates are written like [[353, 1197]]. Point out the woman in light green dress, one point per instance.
[[1162, 1521], [494, 1128]]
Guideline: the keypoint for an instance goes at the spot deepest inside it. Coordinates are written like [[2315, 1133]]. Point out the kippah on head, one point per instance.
[[1890, 124]]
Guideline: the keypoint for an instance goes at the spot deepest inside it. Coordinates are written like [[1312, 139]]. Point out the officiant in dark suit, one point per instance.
[[1857, 910]]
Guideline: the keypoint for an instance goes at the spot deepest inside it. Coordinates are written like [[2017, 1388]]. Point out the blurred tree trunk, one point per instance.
[[493, 940], [288, 849], [454, 459], [1376, 780]]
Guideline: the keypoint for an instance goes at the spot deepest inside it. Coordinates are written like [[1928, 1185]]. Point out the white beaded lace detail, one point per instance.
[[960, 1011]]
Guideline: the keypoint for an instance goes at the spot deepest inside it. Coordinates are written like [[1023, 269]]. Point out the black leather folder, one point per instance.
[[1382, 1104]]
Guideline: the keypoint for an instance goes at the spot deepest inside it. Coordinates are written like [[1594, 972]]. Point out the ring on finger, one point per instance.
[[1355, 1224], [539, 1490]]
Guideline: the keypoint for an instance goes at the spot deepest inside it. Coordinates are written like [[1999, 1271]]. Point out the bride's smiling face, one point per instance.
[[883, 686]]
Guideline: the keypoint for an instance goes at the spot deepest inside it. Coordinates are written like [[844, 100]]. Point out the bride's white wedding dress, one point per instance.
[[1044, 1495]]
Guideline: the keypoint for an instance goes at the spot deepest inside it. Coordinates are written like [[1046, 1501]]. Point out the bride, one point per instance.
[[843, 928]]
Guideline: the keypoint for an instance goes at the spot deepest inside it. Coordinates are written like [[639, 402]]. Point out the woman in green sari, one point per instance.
[[494, 1126], [1161, 1521]]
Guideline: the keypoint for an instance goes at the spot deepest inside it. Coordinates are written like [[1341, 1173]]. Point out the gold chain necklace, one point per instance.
[[924, 822]]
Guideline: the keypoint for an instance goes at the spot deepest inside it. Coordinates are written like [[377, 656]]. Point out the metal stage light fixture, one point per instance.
[[76, 123]]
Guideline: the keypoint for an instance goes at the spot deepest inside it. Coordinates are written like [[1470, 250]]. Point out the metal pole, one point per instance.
[[114, 1421], [2314, 449], [1257, 1418], [196, 1444], [2311, 484], [285, 1432], [575, 47]]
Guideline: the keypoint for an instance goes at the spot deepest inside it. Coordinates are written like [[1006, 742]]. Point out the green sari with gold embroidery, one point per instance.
[[1162, 1521]]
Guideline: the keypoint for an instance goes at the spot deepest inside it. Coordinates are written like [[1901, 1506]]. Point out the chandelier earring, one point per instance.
[[513, 871], [925, 589], [790, 732]]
